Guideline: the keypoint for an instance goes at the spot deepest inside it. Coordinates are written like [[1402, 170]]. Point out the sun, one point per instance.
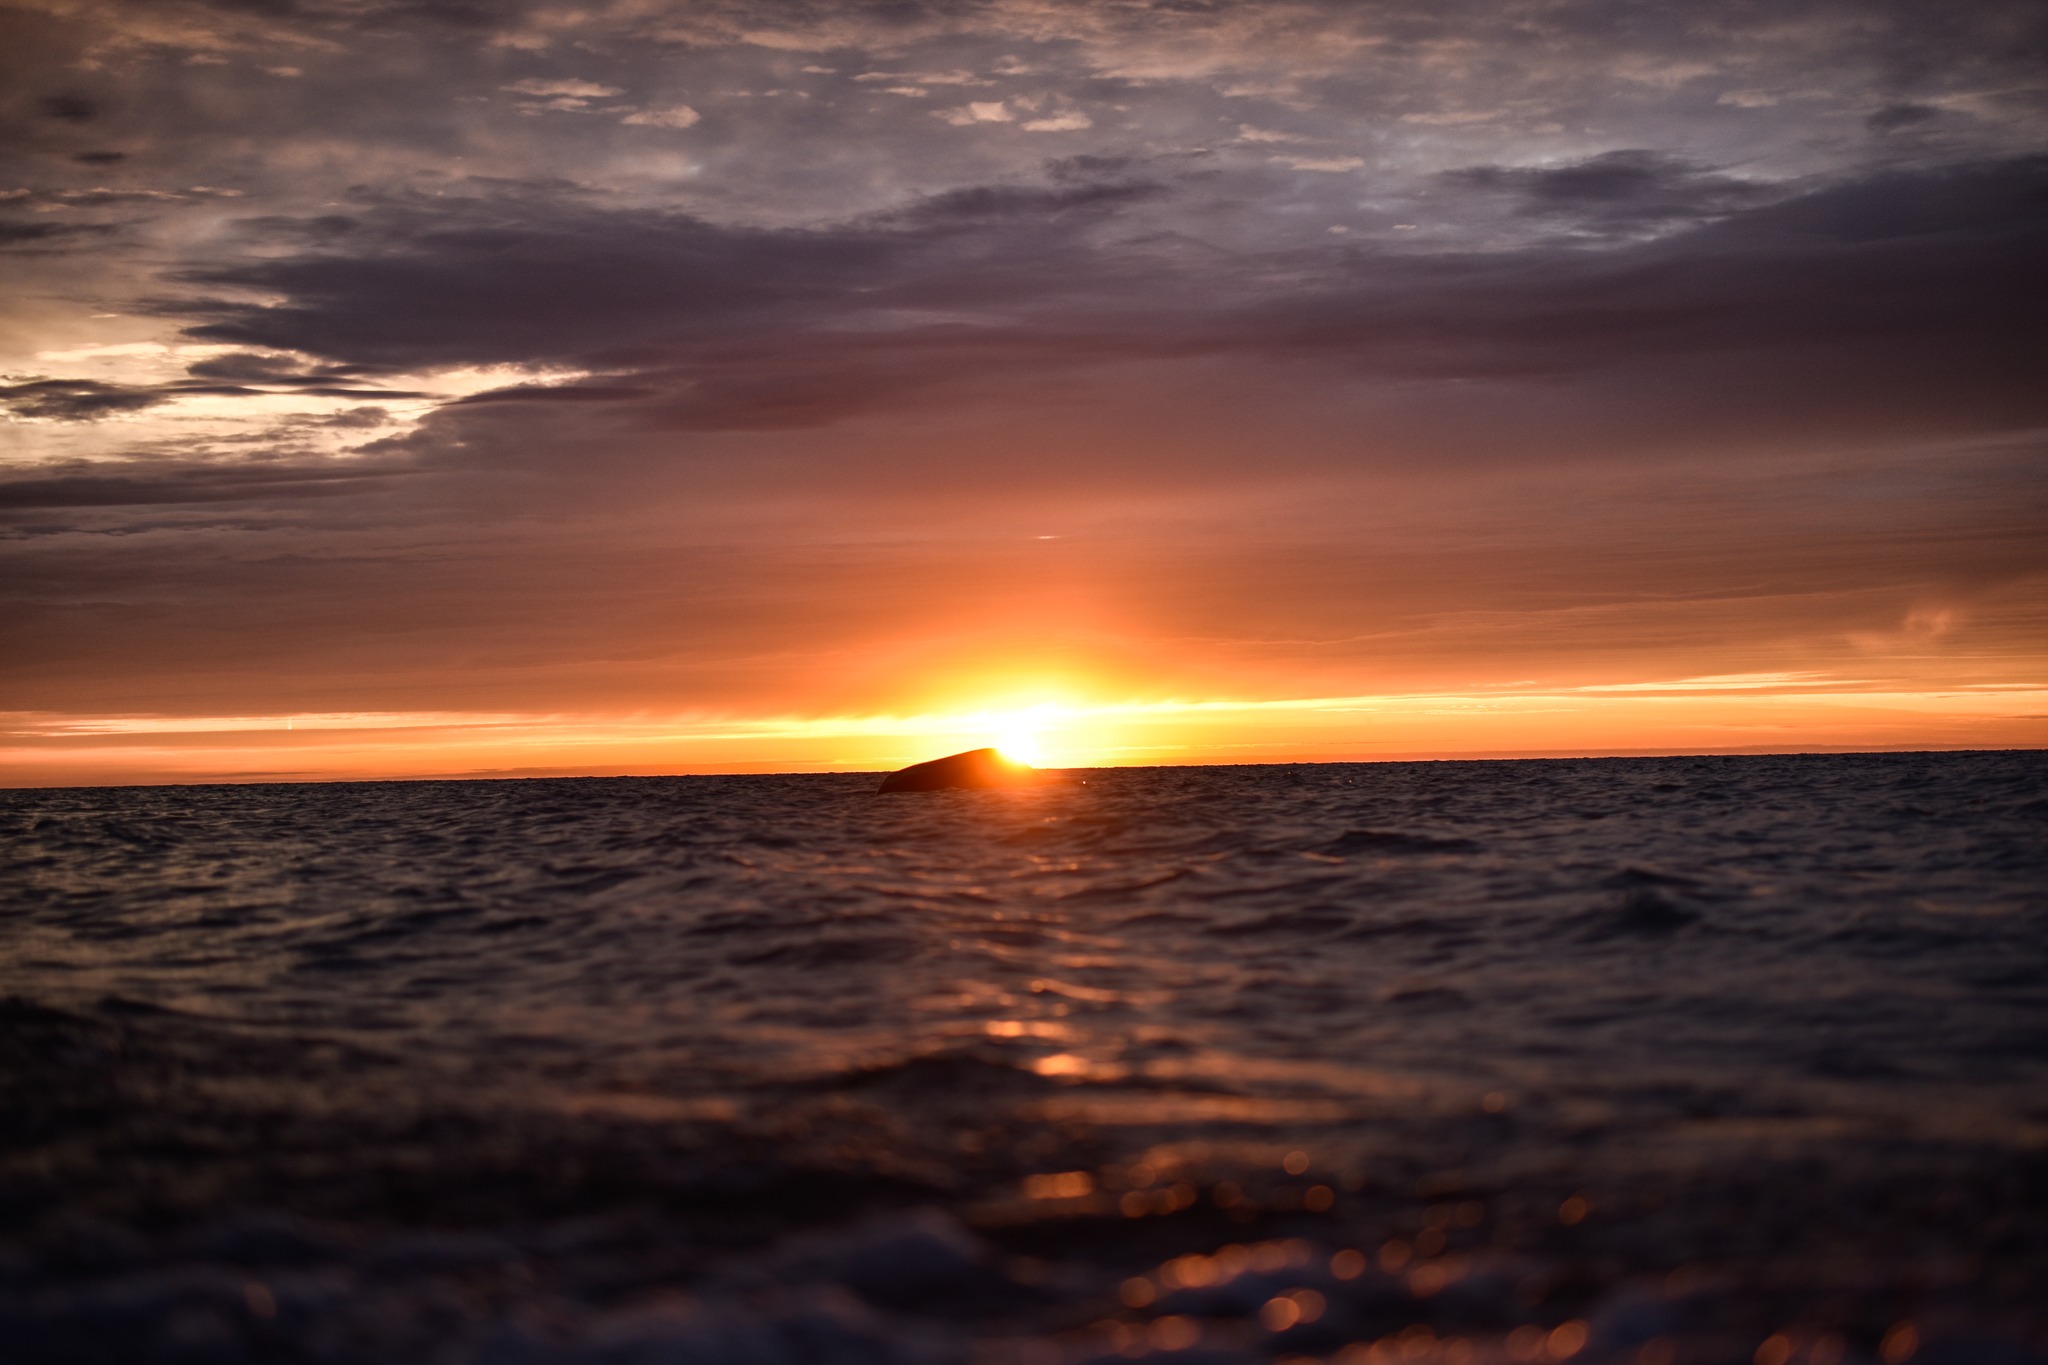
[[1033, 733], [1020, 746], [1016, 739]]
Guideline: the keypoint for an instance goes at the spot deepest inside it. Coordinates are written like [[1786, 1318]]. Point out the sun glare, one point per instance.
[[1029, 730], [1020, 746]]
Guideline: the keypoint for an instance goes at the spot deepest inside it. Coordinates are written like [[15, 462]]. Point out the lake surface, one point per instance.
[[1651, 1060]]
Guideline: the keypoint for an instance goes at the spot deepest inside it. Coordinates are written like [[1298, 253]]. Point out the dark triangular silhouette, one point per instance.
[[975, 768]]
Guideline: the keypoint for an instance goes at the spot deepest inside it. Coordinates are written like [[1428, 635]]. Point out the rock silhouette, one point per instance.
[[975, 768]]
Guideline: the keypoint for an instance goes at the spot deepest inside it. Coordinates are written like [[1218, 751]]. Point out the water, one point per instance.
[[1636, 1060]]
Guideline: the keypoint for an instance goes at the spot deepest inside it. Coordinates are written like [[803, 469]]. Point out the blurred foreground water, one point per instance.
[[1663, 1061]]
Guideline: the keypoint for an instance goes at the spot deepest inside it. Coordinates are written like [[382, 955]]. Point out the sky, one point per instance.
[[424, 388]]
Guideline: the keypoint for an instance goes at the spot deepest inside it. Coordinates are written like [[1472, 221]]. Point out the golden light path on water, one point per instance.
[[1746, 712]]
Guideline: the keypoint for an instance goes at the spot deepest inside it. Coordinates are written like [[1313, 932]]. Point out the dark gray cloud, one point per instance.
[[70, 108], [1936, 280], [30, 236], [1893, 117], [88, 400], [358, 419], [76, 400], [258, 368], [555, 393], [1909, 265], [706, 326], [1622, 191], [514, 281], [70, 488]]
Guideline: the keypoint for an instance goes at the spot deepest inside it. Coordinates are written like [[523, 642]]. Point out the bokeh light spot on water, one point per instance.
[[1566, 1340], [1290, 1253], [1063, 1185], [1062, 1064], [1425, 1281]]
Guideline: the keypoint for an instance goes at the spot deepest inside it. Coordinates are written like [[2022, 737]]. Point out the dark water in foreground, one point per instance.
[[1660, 1061]]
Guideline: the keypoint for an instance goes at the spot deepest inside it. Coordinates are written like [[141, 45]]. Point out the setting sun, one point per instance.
[[1022, 735], [1020, 746]]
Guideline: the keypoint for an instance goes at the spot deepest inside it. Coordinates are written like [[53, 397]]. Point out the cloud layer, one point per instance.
[[780, 355]]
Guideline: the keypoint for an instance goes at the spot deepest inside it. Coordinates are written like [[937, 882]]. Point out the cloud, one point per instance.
[[674, 116], [511, 278], [1452, 118], [70, 108], [185, 486], [922, 77], [227, 376], [1069, 122], [75, 400], [1922, 277], [44, 236], [702, 326], [1083, 190], [1247, 133], [357, 419], [1622, 190], [247, 366], [554, 393], [100, 197], [1893, 117], [1328, 164], [572, 89], [975, 112]]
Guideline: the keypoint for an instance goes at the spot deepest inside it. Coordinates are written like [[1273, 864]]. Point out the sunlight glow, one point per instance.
[[1690, 715], [1021, 736], [1020, 747]]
